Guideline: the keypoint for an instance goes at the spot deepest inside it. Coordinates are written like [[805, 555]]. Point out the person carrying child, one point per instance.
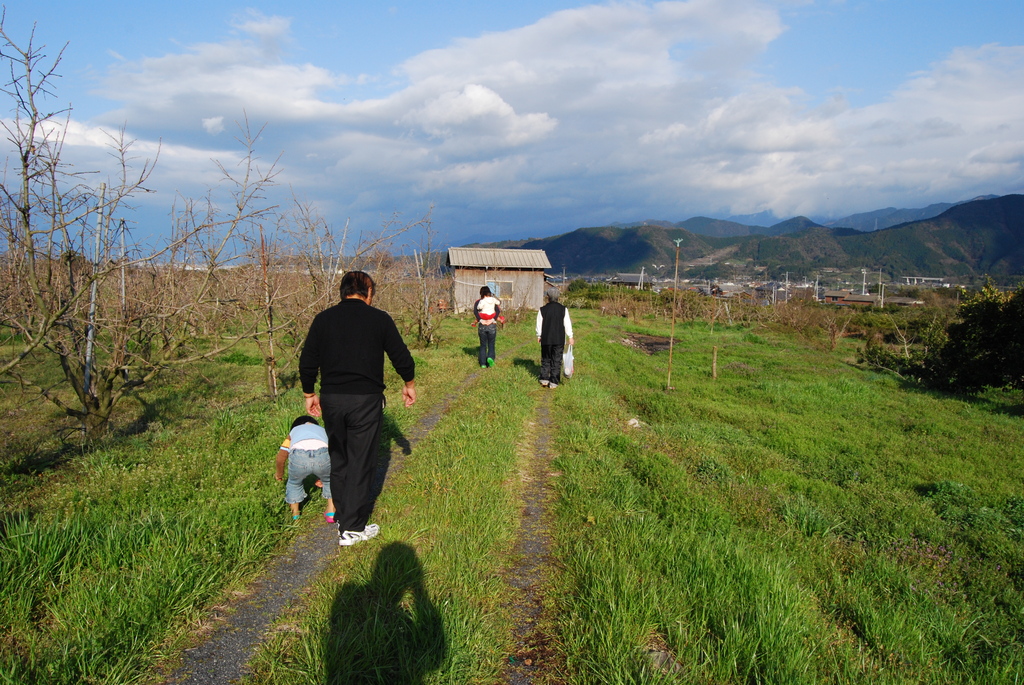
[[553, 326], [487, 311], [305, 450]]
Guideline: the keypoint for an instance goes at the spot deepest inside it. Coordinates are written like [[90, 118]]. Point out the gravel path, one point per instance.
[[534, 657]]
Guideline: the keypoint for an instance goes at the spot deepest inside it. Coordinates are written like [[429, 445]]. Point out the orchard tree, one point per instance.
[[46, 207], [295, 269], [76, 293]]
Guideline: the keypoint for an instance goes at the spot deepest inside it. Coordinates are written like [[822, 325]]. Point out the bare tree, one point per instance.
[[46, 206], [269, 289], [835, 327], [111, 320], [298, 270], [421, 304]]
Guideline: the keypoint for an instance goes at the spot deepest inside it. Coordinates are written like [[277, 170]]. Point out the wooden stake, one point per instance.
[[714, 363]]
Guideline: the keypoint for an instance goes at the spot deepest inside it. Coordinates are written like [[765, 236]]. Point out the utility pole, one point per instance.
[[124, 293], [672, 337], [90, 331], [864, 282], [124, 258]]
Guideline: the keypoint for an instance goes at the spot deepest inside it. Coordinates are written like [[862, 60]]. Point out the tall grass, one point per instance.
[[147, 532], [110, 556], [795, 520]]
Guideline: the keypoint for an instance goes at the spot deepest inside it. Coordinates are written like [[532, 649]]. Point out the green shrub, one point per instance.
[[986, 347]]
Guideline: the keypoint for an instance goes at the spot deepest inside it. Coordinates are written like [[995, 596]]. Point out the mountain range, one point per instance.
[[865, 221], [963, 241]]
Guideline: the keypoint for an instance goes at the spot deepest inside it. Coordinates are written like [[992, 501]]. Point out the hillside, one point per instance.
[[972, 239], [890, 216], [723, 228], [608, 249]]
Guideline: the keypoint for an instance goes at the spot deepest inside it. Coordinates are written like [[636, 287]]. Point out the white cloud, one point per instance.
[[213, 125], [478, 109], [653, 108], [272, 32], [242, 77]]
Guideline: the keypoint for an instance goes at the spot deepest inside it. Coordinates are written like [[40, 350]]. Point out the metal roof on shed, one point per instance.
[[497, 259]]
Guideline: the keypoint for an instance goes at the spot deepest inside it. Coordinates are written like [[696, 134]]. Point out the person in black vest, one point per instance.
[[553, 326], [346, 346]]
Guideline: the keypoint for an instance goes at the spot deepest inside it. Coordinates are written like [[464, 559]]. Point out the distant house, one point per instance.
[[835, 296], [731, 291], [903, 301], [628, 280], [848, 298], [772, 292], [516, 277], [803, 292], [860, 300]]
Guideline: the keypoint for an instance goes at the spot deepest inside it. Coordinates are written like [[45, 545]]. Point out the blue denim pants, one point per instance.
[[302, 464], [487, 334]]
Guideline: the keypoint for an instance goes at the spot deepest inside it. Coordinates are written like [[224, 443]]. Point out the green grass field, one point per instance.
[[795, 520]]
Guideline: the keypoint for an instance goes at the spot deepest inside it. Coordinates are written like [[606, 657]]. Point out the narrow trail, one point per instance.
[[236, 630], [242, 625], [534, 656]]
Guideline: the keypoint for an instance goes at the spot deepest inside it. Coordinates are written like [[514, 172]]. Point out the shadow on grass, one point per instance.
[[386, 630], [35, 460], [154, 414], [29, 457], [287, 381], [1007, 401], [391, 436], [528, 365]]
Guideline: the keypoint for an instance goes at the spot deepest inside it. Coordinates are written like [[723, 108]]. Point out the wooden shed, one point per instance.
[[516, 277]]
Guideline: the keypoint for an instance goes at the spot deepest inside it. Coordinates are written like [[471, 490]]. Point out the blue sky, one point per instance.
[[535, 118]]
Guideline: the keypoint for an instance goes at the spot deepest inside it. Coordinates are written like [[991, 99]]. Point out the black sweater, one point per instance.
[[346, 346]]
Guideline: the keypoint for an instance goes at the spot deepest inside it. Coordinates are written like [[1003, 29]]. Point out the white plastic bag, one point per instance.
[[567, 362]]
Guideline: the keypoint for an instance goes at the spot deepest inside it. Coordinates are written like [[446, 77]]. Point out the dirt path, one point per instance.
[[236, 630], [534, 659]]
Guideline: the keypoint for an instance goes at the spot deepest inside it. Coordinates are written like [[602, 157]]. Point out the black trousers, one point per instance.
[[550, 365], [353, 424]]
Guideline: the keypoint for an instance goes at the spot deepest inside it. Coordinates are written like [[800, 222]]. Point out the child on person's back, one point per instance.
[[305, 450], [487, 311]]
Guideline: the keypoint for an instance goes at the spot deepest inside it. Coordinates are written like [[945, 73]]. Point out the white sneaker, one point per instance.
[[544, 383], [552, 385], [351, 537]]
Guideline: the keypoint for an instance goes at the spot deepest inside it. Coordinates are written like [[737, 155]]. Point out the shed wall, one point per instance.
[[527, 287]]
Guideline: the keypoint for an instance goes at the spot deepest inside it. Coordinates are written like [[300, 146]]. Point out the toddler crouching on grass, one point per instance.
[[305, 450]]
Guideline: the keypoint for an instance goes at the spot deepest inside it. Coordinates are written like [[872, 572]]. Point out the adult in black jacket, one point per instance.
[[553, 326], [345, 346]]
